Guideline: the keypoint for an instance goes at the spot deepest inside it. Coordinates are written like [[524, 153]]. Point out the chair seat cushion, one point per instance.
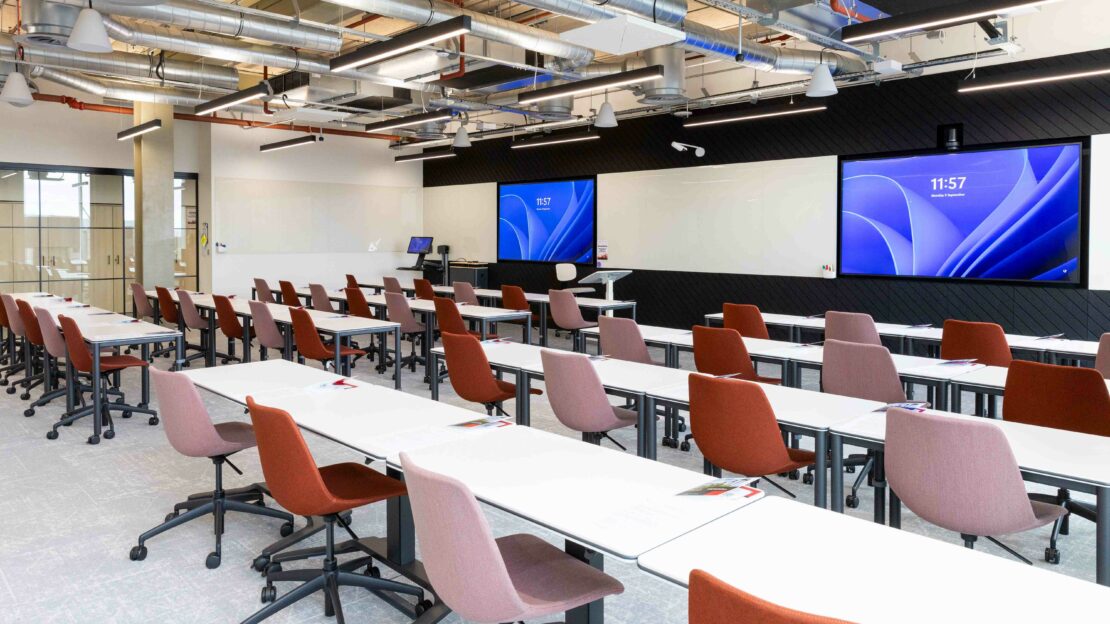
[[343, 351], [354, 485], [119, 362], [799, 458], [1046, 513], [509, 389], [550, 581], [237, 435]]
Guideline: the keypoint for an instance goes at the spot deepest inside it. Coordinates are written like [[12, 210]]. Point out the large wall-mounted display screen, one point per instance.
[[1011, 214], [551, 221]]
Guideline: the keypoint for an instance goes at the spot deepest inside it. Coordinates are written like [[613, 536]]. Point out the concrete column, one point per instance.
[[155, 246]]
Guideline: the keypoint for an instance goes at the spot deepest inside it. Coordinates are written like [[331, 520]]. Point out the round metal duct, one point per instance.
[[671, 89], [48, 23]]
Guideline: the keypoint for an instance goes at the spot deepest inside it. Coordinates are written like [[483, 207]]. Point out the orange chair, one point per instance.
[[423, 289], [230, 326], [302, 488], [309, 345], [985, 342], [721, 351], [167, 308], [1059, 397], [351, 281], [712, 601], [356, 303], [736, 430], [289, 294], [449, 319], [746, 319], [1102, 358], [513, 298], [470, 375]]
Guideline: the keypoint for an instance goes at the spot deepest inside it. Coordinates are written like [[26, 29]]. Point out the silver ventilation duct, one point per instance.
[[555, 109], [48, 23], [228, 22], [671, 88], [114, 91], [125, 64]]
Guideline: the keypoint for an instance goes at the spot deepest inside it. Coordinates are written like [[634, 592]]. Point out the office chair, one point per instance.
[[397, 306], [267, 332], [190, 314], [144, 311], [392, 285], [513, 298], [851, 327], [168, 310], [983, 342], [310, 346], [450, 321], [712, 601], [423, 289], [24, 353], [12, 347], [320, 299], [746, 319], [620, 338], [231, 328], [262, 291], [289, 294], [35, 353], [470, 374], [351, 281], [578, 398], [1102, 359], [566, 314], [464, 293]]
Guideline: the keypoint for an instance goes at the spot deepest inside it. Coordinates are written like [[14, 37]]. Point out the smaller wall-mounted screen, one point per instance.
[[554, 221], [1010, 214]]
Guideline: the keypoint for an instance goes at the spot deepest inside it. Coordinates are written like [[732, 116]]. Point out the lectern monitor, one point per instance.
[[420, 245]]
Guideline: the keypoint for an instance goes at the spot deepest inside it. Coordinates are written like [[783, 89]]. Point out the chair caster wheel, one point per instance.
[[852, 501], [682, 427], [126, 414], [171, 516], [793, 475], [187, 364], [3, 382], [685, 446], [11, 390], [422, 606], [269, 594], [28, 413], [260, 563], [212, 561], [93, 439], [138, 553], [25, 396], [153, 420], [119, 401], [373, 571], [109, 434], [224, 361], [1052, 555], [668, 442], [850, 469], [807, 478], [286, 529], [272, 568], [51, 435]]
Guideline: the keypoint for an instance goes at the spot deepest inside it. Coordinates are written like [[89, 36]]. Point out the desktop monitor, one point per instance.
[[420, 245]]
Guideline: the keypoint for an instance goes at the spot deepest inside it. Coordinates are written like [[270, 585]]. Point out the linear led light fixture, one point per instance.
[[1021, 79], [933, 19], [411, 120], [8, 175], [261, 89], [280, 145], [140, 129], [556, 139], [425, 156], [405, 42], [750, 115], [647, 74]]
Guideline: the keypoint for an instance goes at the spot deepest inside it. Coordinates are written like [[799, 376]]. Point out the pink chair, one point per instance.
[[578, 398], [320, 299], [267, 332], [191, 433], [621, 339], [960, 474], [262, 291], [397, 306], [851, 327], [1102, 360], [486, 580], [54, 348], [392, 285], [464, 293], [143, 309], [566, 314], [25, 350], [192, 319]]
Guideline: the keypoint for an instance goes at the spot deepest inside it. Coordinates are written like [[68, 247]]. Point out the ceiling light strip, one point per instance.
[[556, 140], [297, 142], [636, 76], [425, 156], [138, 130], [749, 116], [411, 120], [405, 42], [261, 89], [932, 19], [1004, 82]]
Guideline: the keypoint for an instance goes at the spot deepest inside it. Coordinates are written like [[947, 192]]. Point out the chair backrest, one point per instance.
[[356, 303], [228, 320], [513, 298], [290, 470], [397, 306], [985, 342], [166, 305], [30, 323], [289, 294], [266, 331], [305, 336], [51, 338], [189, 311], [1061, 397], [392, 285], [468, 368], [621, 339], [712, 601], [566, 272], [457, 548], [958, 473], [185, 420], [78, 352], [142, 304], [863, 371], [320, 299], [746, 319], [11, 311], [423, 289], [735, 426], [721, 351], [1102, 359], [851, 327], [564, 310], [448, 316], [464, 293], [575, 391], [262, 291], [351, 281]]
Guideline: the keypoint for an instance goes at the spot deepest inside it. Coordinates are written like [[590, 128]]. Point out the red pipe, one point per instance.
[[366, 19], [265, 104], [837, 6], [462, 59]]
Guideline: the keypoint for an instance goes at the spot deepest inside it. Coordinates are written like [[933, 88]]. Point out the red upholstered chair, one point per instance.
[[351, 281], [1060, 397], [11, 349], [736, 429], [289, 294], [167, 307], [301, 487], [721, 351], [470, 374], [983, 342], [308, 342], [712, 601], [356, 303], [513, 298], [450, 320], [1102, 360], [423, 289], [230, 327], [35, 351], [746, 319]]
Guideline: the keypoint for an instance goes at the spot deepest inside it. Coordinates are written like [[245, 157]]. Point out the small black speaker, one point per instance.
[[443, 249], [950, 137]]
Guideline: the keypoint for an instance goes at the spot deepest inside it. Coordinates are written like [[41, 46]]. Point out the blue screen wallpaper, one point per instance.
[[1011, 214], [546, 221]]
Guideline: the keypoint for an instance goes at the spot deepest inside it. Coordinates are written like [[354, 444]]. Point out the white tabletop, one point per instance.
[[330, 322], [908, 365], [793, 554], [264, 378], [651, 333], [96, 324], [611, 501], [466, 311]]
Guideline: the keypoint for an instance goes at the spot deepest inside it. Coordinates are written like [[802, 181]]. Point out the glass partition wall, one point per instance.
[[71, 232]]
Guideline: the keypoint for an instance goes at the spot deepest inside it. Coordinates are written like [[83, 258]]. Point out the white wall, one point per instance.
[[464, 217], [1098, 255]]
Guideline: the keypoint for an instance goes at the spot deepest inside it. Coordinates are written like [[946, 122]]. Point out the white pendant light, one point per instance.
[[821, 82], [88, 34], [606, 118], [462, 137], [16, 92]]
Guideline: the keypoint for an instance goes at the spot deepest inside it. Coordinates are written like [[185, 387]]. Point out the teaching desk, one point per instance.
[[794, 555], [1052, 457]]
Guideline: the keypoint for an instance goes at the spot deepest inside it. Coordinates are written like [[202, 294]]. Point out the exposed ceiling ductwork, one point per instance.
[[114, 91]]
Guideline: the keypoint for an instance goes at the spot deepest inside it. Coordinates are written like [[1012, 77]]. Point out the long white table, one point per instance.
[[794, 555]]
